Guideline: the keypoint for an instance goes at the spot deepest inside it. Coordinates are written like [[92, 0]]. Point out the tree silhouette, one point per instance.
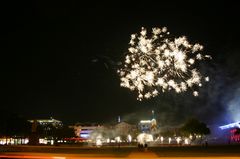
[[194, 128]]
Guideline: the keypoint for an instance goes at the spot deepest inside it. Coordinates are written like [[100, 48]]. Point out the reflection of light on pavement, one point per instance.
[[32, 157]]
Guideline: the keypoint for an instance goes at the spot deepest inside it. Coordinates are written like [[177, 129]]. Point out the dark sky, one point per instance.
[[57, 57]]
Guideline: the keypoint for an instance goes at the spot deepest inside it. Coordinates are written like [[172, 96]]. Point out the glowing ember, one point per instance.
[[161, 63]]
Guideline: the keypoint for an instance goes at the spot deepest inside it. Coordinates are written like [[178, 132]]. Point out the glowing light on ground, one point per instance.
[[118, 139], [186, 141], [98, 142], [144, 138], [161, 63], [169, 140], [178, 139], [161, 139], [129, 138]]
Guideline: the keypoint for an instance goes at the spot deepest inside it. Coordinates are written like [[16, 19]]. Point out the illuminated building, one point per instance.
[[46, 122], [148, 126], [233, 131], [43, 131], [84, 130], [145, 125]]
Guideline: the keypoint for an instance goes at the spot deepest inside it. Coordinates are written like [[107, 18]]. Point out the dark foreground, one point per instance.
[[70, 152]]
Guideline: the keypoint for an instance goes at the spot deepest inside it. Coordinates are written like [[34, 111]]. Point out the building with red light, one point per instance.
[[232, 132]]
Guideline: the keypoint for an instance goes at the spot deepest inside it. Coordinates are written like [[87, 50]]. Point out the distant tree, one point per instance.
[[194, 128]]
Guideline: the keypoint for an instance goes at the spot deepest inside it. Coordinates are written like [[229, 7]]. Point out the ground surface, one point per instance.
[[164, 152]]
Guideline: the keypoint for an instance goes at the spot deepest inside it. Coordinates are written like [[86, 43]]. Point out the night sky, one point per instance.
[[59, 58]]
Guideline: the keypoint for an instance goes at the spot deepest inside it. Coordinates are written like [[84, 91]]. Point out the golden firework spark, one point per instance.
[[160, 63]]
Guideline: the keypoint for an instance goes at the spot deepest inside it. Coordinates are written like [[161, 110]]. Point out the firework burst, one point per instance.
[[160, 63]]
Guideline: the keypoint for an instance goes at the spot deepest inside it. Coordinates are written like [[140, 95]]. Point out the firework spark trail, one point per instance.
[[161, 63]]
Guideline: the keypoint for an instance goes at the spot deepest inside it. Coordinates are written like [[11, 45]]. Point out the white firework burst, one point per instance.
[[160, 63]]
